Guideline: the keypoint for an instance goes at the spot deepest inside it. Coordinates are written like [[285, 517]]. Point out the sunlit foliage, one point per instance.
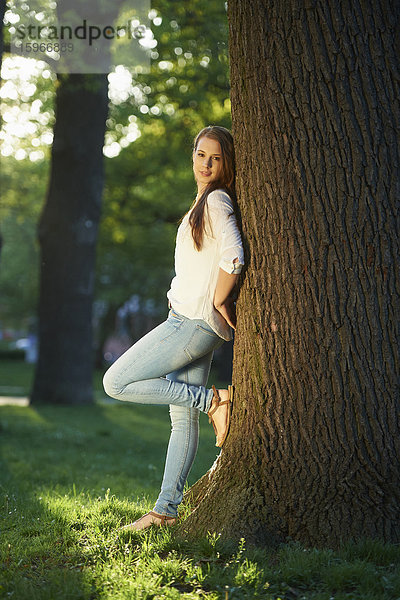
[[149, 185]]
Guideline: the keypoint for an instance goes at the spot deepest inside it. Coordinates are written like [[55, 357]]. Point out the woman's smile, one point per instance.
[[207, 161]]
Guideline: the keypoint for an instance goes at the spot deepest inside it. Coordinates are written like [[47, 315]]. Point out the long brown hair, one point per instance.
[[226, 180]]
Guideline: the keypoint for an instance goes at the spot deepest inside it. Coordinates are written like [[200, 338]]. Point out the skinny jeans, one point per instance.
[[170, 365]]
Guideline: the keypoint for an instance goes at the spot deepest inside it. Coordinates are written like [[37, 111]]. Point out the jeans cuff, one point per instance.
[[163, 513], [209, 398]]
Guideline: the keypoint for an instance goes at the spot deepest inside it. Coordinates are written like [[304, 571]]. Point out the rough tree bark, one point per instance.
[[67, 235], [314, 449]]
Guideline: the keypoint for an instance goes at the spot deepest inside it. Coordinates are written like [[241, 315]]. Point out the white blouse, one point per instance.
[[192, 289]]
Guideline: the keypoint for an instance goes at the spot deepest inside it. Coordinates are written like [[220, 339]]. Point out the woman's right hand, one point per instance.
[[228, 311], [223, 299]]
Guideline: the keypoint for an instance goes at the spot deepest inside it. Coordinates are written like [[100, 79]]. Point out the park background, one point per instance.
[[72, 474], [148, 184]]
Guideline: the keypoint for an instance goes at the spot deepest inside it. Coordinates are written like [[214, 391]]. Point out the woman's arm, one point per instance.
[[223, 300], [231, 257]]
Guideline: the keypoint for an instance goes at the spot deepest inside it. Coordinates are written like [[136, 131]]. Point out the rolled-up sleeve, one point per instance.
[[224, 224]]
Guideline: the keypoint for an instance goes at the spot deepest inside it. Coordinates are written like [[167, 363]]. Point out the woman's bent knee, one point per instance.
[[115, 384], [109, 384]]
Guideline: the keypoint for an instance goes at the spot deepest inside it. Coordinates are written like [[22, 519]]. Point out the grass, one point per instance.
[[16, 377], [70, 476]]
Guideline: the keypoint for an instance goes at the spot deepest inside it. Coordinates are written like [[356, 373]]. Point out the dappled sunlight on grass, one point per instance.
[[72, 476], [80, 447]]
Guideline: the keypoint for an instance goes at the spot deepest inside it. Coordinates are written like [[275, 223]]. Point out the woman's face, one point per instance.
[[207, 162]]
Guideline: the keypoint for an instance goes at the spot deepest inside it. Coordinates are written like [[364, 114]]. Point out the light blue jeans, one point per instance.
[[170, 365]]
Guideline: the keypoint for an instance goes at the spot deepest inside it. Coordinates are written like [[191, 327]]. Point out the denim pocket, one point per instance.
[[201, 342], [175, 318], [205, 330]]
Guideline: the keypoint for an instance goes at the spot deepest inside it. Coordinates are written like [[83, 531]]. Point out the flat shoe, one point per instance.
[[149, 519], [221, 436]]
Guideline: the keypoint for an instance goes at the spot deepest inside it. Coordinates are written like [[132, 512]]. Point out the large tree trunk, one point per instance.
[[314, 449], [67, 234]]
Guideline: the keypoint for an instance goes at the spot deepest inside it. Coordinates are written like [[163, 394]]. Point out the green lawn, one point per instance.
[[71, 476], [16, 378]]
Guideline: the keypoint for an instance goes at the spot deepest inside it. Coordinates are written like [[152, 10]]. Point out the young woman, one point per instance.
[[170, 365]]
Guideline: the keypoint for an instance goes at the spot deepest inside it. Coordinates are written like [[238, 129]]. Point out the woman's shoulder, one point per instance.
[[220, 199]]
